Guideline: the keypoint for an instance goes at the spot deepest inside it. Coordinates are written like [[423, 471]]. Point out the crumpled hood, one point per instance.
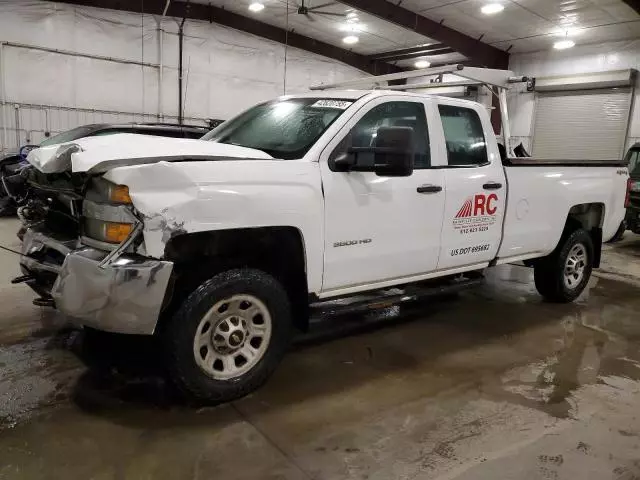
[[102, 153]]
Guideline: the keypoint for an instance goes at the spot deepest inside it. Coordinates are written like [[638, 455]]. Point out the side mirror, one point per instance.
[[345, 162], [394, 152], [392, 155]]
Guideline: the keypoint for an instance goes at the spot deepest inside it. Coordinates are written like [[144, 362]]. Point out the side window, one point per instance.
[[464, 135], [390, 114]]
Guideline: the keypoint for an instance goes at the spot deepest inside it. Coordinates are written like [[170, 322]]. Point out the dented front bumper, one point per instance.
[[123, 295]]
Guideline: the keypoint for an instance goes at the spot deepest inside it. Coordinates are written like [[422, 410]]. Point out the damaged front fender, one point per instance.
[[54, 158], [197, 196], [168, 227], [163, 197]]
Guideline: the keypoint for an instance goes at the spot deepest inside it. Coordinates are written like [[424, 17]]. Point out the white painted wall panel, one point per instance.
[[581, 59], [80, 29], [578, 60], [225, 71], [31, 76]]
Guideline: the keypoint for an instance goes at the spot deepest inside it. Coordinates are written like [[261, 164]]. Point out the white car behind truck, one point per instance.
[[220, 246]]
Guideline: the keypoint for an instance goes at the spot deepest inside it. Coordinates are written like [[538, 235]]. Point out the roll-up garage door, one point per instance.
[[581, 125]]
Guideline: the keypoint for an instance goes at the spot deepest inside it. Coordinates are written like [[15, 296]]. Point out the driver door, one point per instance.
[[381, 230]]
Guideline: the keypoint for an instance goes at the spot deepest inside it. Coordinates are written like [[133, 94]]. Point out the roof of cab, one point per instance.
[[358, 94], [337, 94]]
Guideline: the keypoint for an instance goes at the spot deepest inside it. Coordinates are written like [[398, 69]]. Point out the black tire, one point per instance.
[[182, 328], [549, 273]]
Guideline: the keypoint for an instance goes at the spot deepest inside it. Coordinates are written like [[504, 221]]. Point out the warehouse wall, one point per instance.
[[94, 65], [578, 60]]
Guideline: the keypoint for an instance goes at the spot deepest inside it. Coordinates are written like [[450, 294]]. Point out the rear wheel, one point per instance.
[[229, 335], [564, 274]]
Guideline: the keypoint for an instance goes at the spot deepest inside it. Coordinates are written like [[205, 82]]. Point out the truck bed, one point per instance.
[[540, 200], [546, 162]]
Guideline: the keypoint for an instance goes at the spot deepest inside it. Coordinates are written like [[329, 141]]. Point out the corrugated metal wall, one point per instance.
[[34, 121], [583, 124], [575, 61], [91, 65]]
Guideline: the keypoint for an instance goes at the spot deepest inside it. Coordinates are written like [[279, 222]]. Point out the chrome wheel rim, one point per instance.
[[575, 266], [232, 337]]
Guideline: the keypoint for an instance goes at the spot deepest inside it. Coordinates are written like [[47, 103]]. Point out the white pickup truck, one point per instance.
[[221, 246]]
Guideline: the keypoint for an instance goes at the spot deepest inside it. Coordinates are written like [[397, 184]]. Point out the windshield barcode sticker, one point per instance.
[[341, 104]]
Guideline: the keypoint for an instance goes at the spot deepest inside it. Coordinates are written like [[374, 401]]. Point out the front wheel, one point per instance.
[[229, 335], [563, 275]]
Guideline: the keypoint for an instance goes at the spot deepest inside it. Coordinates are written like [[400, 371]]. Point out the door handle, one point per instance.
[[429, 189], [492, 186]]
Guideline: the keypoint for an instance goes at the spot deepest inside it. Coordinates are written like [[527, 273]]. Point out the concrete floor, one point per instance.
[[493, 384]]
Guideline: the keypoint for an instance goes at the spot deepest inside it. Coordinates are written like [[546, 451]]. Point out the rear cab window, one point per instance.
[[464, 136]]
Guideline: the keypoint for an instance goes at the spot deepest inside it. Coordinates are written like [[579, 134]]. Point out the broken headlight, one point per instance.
[[107, 212], [109, 232], [102, 190]]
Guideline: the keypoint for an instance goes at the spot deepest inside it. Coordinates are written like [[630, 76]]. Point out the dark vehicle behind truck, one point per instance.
[[632, 217], [13, 186]]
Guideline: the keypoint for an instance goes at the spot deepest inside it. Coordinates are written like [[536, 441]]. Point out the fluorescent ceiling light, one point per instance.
[[351, 39], [256, 7], [564, 44], [492, 8], [422, 64], [570, 32], [352, 14], [353, 27], [569, 19]]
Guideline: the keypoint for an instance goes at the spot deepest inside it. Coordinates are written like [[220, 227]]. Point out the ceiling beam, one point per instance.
[[210, 13], [635, 4], [468, 46], [443, 51], [412, 53], [402, 51]]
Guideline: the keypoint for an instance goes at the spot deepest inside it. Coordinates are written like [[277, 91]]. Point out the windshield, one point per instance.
[[284, 129], [633, 160], [69, 135]]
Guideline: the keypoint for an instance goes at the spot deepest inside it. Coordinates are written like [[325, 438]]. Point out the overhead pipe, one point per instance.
[[166, 7], [180, 46], [161, 61], [17, 109], [3, 99], [79, 54], [160, 67]]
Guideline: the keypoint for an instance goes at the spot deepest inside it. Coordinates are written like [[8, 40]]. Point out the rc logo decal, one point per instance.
[[477, 214]]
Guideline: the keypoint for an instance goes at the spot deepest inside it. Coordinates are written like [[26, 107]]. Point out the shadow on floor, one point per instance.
[[344, 354]]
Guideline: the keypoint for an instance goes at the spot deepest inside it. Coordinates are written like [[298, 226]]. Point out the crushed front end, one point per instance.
[[83, 254]]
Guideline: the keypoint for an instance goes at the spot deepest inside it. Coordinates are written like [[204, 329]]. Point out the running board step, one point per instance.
[[390, 297]]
